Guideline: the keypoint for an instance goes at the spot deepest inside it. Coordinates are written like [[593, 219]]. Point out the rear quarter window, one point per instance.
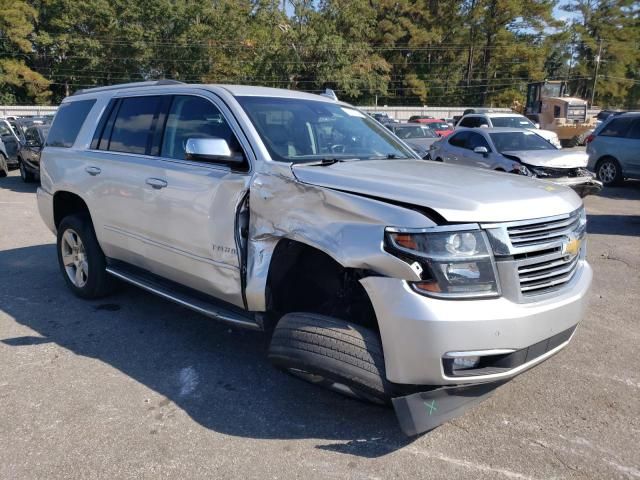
[[68, 122], [617, 127]]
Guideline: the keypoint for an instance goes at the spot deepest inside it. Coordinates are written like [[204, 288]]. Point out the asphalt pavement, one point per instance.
[[132, 386]]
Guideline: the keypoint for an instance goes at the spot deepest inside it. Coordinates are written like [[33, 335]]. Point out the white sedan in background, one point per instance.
[[507, 120]]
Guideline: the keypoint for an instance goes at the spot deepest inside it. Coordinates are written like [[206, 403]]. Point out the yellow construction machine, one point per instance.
[[549, 105]]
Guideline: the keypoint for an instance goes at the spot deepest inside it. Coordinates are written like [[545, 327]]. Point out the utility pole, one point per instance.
[[595, 75]]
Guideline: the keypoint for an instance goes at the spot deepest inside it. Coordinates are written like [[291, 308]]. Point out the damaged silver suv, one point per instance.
[[374, 273]]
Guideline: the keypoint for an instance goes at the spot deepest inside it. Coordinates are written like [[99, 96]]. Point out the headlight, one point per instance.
[[456, 262], [522, 170]]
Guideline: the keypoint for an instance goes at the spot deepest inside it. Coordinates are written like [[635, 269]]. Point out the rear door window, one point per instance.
[[459, 139], [132, 129], [469, 122], [618, 127], [68, 122], [634, 131]]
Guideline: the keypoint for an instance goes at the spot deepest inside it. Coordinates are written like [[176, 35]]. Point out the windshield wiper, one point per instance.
[[389, 156], [325, 162]]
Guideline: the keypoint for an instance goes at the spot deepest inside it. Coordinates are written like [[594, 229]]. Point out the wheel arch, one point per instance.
[[302, 277], [67, 203]]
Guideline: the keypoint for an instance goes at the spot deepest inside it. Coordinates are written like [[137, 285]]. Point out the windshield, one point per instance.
[[512, 122], [417, 131], [438, 126], [513, 141], [297, 130]]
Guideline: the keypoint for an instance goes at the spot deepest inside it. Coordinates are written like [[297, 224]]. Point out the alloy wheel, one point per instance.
[[74, 258], [607, 172]]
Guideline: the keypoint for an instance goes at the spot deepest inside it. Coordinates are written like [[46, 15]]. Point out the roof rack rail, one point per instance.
[[119, 86]]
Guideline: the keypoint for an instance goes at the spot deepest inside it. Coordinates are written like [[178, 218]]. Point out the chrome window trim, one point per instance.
[[225, 111]]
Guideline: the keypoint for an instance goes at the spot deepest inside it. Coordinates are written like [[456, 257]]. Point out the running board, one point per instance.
[[182, 296]]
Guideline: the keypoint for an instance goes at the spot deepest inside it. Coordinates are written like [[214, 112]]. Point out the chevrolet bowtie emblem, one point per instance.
[[572, 247]]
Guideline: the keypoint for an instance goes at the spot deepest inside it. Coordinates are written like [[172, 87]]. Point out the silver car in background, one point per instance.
[[517, 151], [419, 137], [614, 148]]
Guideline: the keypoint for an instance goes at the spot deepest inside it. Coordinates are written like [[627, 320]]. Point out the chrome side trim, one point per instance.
[[479, 353], [209, 312]]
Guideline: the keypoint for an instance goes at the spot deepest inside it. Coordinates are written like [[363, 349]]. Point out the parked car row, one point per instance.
[[21, 140], [510, 142]]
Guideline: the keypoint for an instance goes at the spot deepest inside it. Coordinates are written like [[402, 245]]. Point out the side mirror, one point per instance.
[[211, 150], [537, 125], [482, 150]]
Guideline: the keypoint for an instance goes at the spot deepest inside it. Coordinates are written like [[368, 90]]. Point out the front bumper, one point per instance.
[[418, 331], [583, 186]]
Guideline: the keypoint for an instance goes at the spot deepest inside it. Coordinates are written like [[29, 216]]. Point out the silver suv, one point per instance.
[[374, 273]]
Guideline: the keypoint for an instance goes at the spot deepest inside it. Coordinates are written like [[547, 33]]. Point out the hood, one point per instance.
[[459, 194], [551, 158]]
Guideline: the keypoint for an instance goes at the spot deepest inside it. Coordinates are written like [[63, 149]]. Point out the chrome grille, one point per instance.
[[537, 256], [541, 277], [542, 232]]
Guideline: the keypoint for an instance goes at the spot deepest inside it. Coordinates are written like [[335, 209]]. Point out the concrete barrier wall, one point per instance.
[[399, 113], [403, 113], [24, 110]]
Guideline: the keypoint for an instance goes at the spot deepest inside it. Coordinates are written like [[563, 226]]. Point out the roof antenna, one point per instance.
[[330, 94]]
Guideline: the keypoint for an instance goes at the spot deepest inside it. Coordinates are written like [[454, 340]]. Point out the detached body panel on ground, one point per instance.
[[299, 215]]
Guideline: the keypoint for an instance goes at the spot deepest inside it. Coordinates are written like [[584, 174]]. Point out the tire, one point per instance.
[[573, 142], [332, 353], [4, 167], [26, 175], [438, 159], [609, 172], [93, 281]]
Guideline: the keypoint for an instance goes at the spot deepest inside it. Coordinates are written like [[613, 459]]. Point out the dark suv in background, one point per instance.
[[29, 152]]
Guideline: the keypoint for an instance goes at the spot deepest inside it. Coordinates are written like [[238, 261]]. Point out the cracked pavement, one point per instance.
[[134, 387]]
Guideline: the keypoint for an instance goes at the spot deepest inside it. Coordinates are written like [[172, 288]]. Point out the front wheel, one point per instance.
[[337, 355], [4, 168], [26, 175], [80, 257]]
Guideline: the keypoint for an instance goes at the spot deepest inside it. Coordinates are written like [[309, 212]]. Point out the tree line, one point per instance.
[[395, 52]]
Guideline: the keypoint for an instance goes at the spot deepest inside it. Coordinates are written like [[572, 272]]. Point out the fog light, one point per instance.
[[462, 363]]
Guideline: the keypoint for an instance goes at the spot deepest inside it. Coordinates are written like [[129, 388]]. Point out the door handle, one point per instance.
[[93, 171], [156, 183]]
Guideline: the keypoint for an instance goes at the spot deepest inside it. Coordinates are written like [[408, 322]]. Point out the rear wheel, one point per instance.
[[80, 257], [609, 172], [573, 142], [332, 353]]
